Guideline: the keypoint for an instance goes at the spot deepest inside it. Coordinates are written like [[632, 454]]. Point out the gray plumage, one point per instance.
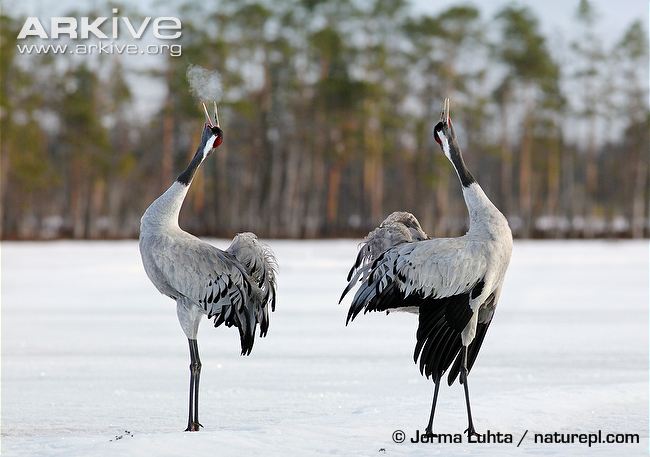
[[436, 268], [399, 227], [235, 287], [453, 284]]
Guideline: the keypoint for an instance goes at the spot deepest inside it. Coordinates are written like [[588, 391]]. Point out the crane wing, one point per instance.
[[260, 264], [486, 314], [441, 322], [428, 269], [438, 278], [211, 279], [396, 229]]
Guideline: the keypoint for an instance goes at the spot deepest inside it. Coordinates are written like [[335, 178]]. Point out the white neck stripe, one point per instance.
[[208, 146], [445, 145]]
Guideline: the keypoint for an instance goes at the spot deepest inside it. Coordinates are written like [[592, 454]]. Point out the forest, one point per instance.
[[327, 110]]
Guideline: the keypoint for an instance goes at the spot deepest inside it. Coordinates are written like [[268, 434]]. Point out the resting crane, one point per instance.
[[236, 287], [453, 284]]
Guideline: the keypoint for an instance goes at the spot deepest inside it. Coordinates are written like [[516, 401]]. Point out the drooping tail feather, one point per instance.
[[260, 264], [236, 309]]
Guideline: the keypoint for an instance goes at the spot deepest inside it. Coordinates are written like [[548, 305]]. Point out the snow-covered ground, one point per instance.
[[91, 350]]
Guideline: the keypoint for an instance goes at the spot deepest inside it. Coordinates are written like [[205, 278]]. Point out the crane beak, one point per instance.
[[216, 115], [444, 114], [207, 116]]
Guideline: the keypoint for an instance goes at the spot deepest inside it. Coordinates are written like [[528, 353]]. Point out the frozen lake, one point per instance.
[[90, 349]]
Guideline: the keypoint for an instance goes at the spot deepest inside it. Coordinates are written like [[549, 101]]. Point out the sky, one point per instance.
[[556, 17], [555, 14]]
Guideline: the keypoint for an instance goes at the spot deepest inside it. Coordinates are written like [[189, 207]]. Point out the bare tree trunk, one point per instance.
[[76, 193], [506, 162], [303, 195], [333, 187], [640, 198], [167, 160], [291, 212], [553, 182], [312, 226], [96, 207], [591, 179], [373, 176], [525, 176], [86, 217]]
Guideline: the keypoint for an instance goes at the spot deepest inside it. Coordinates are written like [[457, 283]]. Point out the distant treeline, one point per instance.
[[328, 109]]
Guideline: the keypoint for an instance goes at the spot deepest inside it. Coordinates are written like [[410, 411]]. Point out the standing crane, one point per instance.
[[453, 284], [236, 287]]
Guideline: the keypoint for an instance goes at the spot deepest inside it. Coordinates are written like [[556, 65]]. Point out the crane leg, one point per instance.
[[429, 429], [196, 366], [195, 370], [463, 377]]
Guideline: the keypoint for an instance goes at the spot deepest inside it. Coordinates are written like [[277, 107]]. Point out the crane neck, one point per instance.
[[164, 211], [466, 178], [453, 152], [484, 218], [202, 152]]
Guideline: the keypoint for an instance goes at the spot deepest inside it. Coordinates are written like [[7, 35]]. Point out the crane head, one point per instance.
[[212, 134], [443, 132]]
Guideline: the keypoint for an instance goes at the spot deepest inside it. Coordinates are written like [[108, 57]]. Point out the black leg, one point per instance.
[[463, 374], [196, 367], [429, 430], [191, 405]]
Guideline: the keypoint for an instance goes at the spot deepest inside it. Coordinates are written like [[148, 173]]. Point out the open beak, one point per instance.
[[216, 115], [444, 114], [207, 115]]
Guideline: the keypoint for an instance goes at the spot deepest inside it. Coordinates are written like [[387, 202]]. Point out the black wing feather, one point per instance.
[[472, 353], [441, 322]]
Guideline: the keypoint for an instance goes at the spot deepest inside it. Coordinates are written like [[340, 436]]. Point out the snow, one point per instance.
[[90, 350]]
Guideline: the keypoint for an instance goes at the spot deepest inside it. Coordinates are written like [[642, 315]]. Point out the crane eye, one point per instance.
[[436, 130]]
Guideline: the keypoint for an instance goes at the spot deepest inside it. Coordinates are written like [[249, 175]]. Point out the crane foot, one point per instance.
[[471, 432], [193, 427]]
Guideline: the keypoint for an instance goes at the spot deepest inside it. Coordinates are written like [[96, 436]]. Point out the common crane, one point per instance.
[[236, 287], [453, 284]]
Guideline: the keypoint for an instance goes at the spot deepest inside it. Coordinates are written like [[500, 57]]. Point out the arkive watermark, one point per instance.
[[104, 31]]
